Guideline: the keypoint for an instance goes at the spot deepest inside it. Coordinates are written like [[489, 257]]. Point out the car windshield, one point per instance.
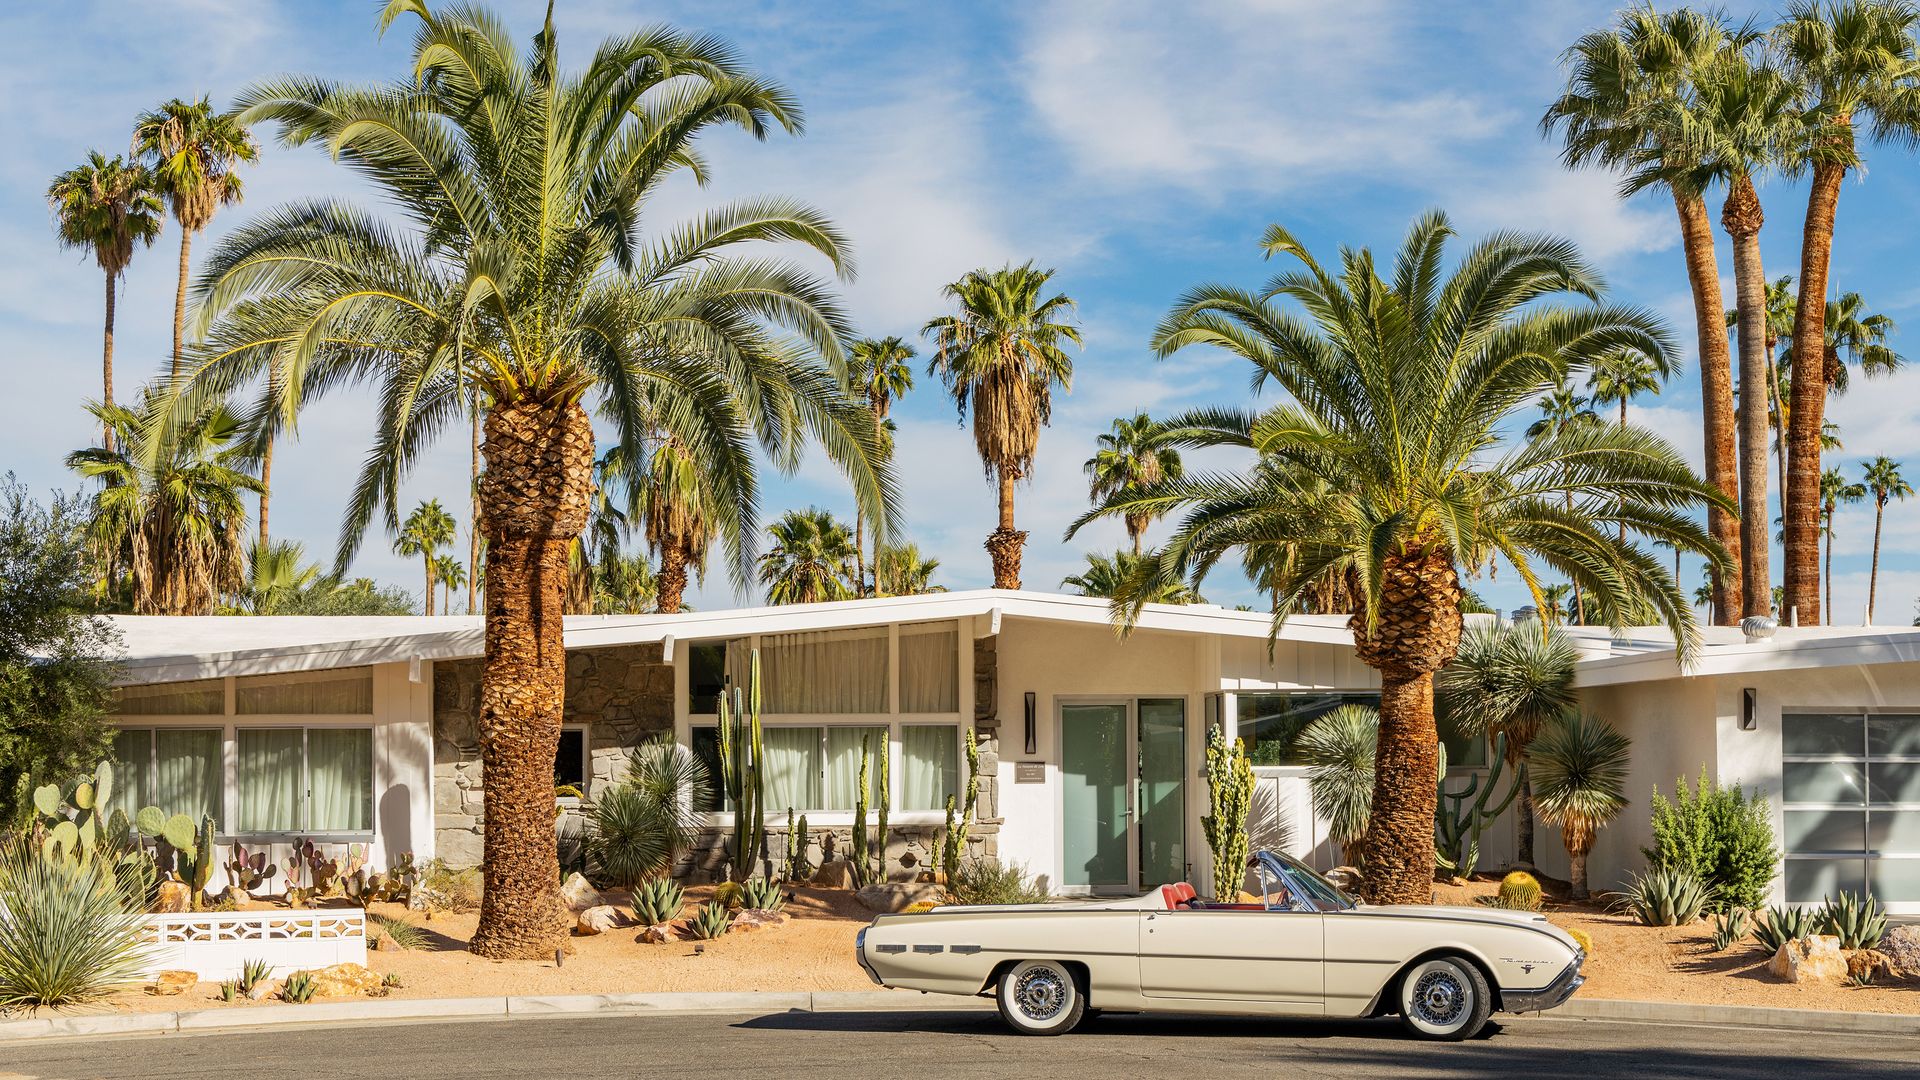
[[1324, 894]]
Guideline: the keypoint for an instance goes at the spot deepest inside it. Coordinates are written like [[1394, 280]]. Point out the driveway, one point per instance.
[[939, 1045]]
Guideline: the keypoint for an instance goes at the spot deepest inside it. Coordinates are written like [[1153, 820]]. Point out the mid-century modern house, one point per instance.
[[363, 730]]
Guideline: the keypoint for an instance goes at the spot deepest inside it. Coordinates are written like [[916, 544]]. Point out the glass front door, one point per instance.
[[1161, 753], [1123, 804]]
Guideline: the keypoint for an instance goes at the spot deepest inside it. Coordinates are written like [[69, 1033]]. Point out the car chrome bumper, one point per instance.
[[860, 954], [1551, 996]]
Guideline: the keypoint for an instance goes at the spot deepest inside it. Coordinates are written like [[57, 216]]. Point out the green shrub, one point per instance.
[[404, 934], [1721, 835], [1783, 924], [1730, 927], [658, 901], [1666, 896], [1519, 891], [711, 921], [69, 929], [1856, 921], [989, 881]]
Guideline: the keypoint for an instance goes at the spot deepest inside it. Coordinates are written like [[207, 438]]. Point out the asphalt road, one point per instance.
[[937, 1046]]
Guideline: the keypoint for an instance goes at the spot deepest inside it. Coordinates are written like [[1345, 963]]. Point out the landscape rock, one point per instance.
[[753, 919], [597, 920], [175, 898], [383, 942], [578, 894], [896, 895], [260, 990], [660, 934], [344, 980], [1870, 965], [834, 875], [1346, 878], [169, 983], [1816, 959], [1902, 948]]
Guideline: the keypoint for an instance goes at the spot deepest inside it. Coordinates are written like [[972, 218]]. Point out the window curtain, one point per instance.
[[202, 697], [792, 768], [270, 783], [929, 765], [843, 765], [340, 772], [316, 693], [930, 669], [824, 672], [132, 770], [187, 779]]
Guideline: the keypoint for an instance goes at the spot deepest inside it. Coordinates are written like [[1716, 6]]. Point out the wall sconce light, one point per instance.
[[666, 649], [1749, 708], [415, 671], [1033, 734]]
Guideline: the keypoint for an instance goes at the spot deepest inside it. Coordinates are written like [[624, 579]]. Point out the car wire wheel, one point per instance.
[[1444, 998], [1040, 997]]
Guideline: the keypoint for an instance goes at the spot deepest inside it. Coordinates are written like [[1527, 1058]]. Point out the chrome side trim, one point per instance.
[[1551, 996], [860, 954]]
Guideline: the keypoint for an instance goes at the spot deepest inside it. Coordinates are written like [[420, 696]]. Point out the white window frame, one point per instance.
[[1866, 857]]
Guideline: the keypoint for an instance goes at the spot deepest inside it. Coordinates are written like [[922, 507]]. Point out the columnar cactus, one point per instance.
[[859, 857], [1230, 794], [954, 841], [1458, 824], [741, 754]]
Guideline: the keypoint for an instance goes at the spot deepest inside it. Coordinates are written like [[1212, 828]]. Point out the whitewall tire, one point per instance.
[[1040, 997], [1445, 998]]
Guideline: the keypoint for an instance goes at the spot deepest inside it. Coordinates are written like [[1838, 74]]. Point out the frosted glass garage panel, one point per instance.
[[1823, 735], [1896, 880], [1825, 782], [1836, 831], [1893, 736], [1894, 782], [1809, 881]]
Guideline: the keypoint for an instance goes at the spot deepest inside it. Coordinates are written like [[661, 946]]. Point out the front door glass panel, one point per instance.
[[1094, 797]]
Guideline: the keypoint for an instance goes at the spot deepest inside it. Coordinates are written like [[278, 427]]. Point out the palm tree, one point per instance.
[[811, 559], [1509, 682], [1834, 492], [680, 519], [1001, 355], [1854, 336], [1883, 482], [277, 575], [1578, 768], [169, 509], [1779, 327], [1853, 62], [878, 372], [1398, 390], [615, 493], [192, 153], [452, 574], [1131, 459], [509, 262], [428, 529], [1619, 377], [1620, 82], [106, 207], [1565, 411], [900, 570], [1552, 607], [1111, 576], [624, 585]]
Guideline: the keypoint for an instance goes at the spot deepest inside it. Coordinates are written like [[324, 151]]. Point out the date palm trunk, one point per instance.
[[534, 498], [1742, 218], [1004, 543], [266, 492], [673, 578], [106, 368], [1826, 571], [1415, 633], [474, 573], [1807, 411], [1716, 394]]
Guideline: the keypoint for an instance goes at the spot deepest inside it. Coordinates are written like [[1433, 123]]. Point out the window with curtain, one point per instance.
[[340, 780], [132, 770], [345, 692], [187, 772], [792, 767], [843, 765], [270, 780], [818, 767], [840, 671], [201, 697], [930, 668], [929, 765], [304, 780]]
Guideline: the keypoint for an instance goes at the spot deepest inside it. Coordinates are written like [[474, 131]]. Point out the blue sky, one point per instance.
[[1137, 148]]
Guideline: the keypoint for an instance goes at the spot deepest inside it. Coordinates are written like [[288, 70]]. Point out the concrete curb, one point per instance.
[[211, 1020]]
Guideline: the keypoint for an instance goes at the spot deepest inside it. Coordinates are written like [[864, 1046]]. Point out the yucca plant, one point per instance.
[[1783, 924], [712, 920], [69, 929], [1730, 927], [1338, 749], [1856, 920], [1578, 769], [637, 828], [763, 894], [1664, 896], [658, 901]]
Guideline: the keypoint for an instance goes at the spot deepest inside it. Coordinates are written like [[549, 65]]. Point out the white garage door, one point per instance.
[[1851, 795]]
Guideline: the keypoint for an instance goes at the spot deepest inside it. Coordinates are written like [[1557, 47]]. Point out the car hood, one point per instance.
[[1532, 920]]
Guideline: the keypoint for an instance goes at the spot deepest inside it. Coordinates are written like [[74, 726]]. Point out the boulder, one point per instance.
[[344, 980], [1902, 948], [896, 895], [659, 934], [1869, 965], [1816, 959], [758, 919], [834, 875], [577, 894], [597, 920], [169, 983], [260, 990], [383, 942], [175, 898]]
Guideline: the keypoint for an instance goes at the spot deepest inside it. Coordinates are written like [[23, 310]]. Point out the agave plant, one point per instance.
[[1783, 924], [658, 901], [1666, 896], [712, 920], [1731, 926], [69, 929], [1857, 921], [763, 894]]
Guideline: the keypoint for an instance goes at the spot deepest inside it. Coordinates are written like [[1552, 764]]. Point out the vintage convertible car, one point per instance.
[[1294, 944]]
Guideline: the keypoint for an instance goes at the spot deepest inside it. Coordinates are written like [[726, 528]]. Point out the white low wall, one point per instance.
[[214, 945]]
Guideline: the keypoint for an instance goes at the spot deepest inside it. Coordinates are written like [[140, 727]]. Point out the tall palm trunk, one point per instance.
[[1742, 217], [1873, 576], [1807, 412], [534, 499], [1416, 631], [266, 491], [426, 557], [106, 369], [1716, 393], [1779, 410], [1005, 542], [473, 514], [1826, 518], [860, 553], [673, 578], [180, 301]]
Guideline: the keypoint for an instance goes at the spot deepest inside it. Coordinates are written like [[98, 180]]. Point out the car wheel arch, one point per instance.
[[1384, 999], [1082, 978]]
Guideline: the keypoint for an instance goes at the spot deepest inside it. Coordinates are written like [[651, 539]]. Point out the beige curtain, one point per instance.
[[202, 697], [271, 783], [930, 669], [317, 693], [929, 765], [792, 763], [842, 671], [340, 776], [843, 765], [188, 771]]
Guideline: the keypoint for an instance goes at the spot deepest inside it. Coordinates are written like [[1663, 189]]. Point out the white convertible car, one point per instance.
[[1301, 947]]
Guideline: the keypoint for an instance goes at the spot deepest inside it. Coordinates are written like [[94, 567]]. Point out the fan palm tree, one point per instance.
[[679, 516], [615, 493], [810, 560], [1398, 391], [900, 570], [1619, 377], [106, 207], [1111, 576], [451, 573], [1552, 607], [1131, 459], [1884, 483], [509, 262], [277, 575], [624, 585], [169, 509], [1857, 337], [1338, 750], [1578, 769], [1001, 354], [1855, 64], [428, 529], [878, 372], [1835, 491], [1511, 681], [193, 154], [1779, 328], [1620, 82]]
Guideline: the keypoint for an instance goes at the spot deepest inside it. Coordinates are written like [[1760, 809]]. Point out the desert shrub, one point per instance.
[[638, 827], [989, 881], [1519, 891], [1721, 835], [69, 929], [404, 934], [1666, 896], [443, 888]]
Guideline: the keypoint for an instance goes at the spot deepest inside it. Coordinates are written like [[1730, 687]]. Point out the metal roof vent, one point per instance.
[[1758, 628]]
